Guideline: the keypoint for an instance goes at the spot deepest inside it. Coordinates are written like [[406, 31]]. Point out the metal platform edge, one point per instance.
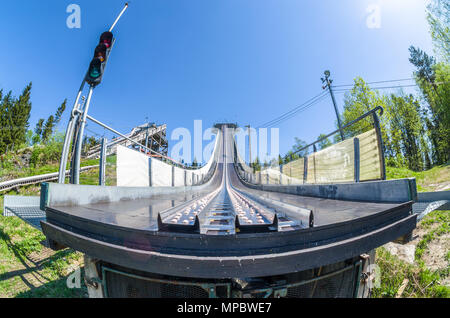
[[229, 267]]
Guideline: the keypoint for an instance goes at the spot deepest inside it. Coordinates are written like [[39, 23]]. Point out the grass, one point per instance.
[[440, 218], [10, 174], [421, 281], [429, 180], [28, 269]]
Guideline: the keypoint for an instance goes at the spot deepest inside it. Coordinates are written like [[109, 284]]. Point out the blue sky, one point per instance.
[[245, 61]]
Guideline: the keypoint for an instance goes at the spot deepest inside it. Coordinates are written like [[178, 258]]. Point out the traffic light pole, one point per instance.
[[74, 118], [69, 136], [79, 141], [118, 18]]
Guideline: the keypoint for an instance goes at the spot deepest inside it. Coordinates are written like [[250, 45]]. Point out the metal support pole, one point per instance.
[[336, 110], [249, 145], [131, 140], [281, 174], [357, 159], [290, 175], [305, 169], [102, 172], [173, 176], [79, 143], [74, 144], [380, 144], [146, 137], [150, 181], [69, 135], [118, 18], [315, 166]]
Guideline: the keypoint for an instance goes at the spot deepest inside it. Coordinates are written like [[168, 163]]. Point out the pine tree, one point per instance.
[[438, 17], [256, 165], [405, 122], [2, 123], [60, 111], [195, 163], [19, 116], [434, 82], [48, 128], [5, 122], [324, 143], [38, 131]]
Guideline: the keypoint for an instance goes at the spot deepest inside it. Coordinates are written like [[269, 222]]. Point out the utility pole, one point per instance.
[[327, 81], [249, 145]]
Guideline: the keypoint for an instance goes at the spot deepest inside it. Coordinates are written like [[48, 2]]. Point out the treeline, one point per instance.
[[14, 122], [14, 116], [44, 129], [415, 127]]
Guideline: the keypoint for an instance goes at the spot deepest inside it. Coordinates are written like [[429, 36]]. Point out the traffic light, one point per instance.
[[98, 63]]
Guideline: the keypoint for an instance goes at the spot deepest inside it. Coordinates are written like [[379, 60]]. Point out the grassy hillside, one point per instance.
[[27, 267], [436, 179], [429, 274]]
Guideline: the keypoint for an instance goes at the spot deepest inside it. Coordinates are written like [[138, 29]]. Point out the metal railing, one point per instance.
[[372, 112], [355, 153], [12, 184]]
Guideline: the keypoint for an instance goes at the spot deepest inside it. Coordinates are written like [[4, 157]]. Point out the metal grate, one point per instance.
[[124, 285], [339, 284], [26, 208], [423, 208]]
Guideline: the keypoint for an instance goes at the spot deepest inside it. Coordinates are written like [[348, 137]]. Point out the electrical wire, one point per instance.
[[299, 111], [378, 82], [293, 111], [377, 88], [387, 87]]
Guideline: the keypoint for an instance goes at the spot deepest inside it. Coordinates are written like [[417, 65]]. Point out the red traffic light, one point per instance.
[[106, 38]]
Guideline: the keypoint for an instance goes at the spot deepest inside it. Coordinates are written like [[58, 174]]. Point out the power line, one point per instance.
[[299, 111], [378, 82], [93, 132], [314, 100], [375, 88], [292, 111], [390, 87]]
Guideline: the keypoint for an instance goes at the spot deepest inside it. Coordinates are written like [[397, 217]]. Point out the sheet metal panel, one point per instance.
[[132, 168]]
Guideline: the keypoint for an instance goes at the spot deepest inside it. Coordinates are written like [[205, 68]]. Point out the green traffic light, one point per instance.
[[95, 69]]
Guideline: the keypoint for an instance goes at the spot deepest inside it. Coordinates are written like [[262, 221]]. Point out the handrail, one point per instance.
[[378, 108], [131, 140], [10, 184]]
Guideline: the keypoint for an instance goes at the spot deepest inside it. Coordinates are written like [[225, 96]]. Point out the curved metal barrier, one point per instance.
[[12, 184]]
